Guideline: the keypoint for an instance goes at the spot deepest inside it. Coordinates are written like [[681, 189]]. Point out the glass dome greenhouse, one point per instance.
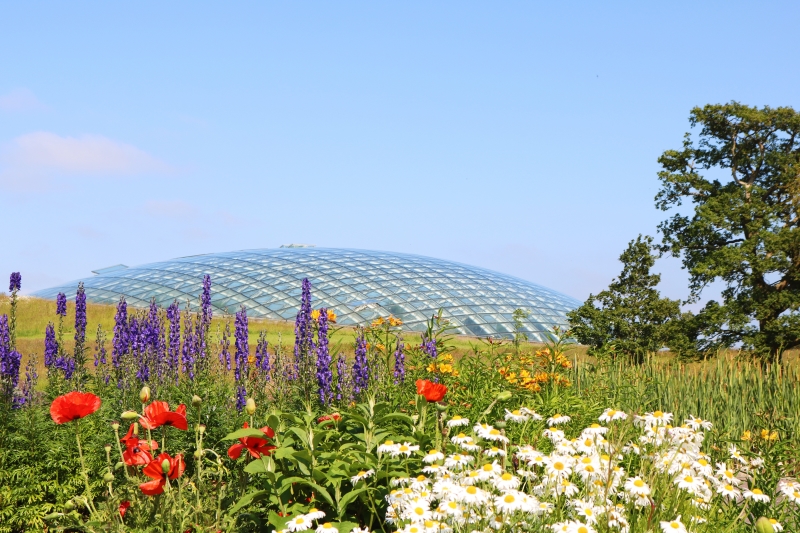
[[359, 285]]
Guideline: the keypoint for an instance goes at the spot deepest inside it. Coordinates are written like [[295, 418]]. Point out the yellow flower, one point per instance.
[[394, 322], [746, 435], [251, 359], [331, 316], [378, 322], [766, 435]]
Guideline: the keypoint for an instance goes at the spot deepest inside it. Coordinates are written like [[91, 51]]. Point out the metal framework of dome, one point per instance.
[[359, 285]]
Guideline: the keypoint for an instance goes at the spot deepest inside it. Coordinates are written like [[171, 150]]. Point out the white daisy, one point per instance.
[[363, 474], [457, 421], [673, 526], [558, 419]]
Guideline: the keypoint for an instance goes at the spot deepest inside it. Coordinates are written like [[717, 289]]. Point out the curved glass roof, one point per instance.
[[359, 285]]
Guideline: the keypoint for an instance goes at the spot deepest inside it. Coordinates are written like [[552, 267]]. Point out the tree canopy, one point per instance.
[[630, 315], [741, 176]]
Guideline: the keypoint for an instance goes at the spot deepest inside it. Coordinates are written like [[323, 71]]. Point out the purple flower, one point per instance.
[[174, 350], [324, 374], [80, 321], [429, 346], [242, 348], [262, 355], [121, 341], [15, 283], [225, 347], [189, 347], [360, 365], [205, 301], [303, 332], [341, 373], [66, 364], [399, 363], [9, 359], [61, 304], [29, 385], [50, 345], [241, 398]]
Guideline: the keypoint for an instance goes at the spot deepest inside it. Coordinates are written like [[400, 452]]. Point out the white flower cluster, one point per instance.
[[481, 482], [303, 522]]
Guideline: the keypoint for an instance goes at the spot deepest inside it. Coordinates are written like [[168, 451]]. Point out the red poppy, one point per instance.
[[433, 392], [158, 414], [335, 417], [257, 446], [155, 470], [123, 508], [137, 451], [73, 405]]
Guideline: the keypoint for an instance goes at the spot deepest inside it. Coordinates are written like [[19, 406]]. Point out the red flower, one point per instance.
[[335, 417], [433, 392], [123, 508], [73, 405], [158, 414], [155, 470], [257, 446], [137, 451]]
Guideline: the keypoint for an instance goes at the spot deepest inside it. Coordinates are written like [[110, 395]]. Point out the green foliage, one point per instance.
[[630, 316], [742, 176]]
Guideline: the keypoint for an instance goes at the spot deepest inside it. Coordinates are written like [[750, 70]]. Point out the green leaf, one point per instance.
[[344, 527], [301, 434], [348, 498], [248, 499], [284, 453], [279, 522], [402, 417], [244, 432]]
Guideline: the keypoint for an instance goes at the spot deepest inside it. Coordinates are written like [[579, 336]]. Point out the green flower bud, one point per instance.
[[250, 406], [198, 454], [144, 394], [503, 396], [441, 407], [500, 424], [108, 477], [115, 425], [130, 415], [763, 525], [107, 448], [69, 506], [197, 401], [165, 465], [201, 428]]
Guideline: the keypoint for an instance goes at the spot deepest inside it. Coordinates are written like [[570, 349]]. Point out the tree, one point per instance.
[[742, 175], [630, 315]]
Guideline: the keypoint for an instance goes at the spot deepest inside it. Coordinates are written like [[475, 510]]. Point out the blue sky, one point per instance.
[[517, 136]]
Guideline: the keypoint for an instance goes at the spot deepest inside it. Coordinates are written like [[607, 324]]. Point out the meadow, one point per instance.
[[167, 423]]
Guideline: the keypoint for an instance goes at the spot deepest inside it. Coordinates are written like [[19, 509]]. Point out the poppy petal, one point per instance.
[[153, 488], [235, 451]]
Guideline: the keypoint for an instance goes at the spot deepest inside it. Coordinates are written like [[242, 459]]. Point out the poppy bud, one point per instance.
[[198, 454], [763, 525], [115, 425], [250, 406], [107, 448], [441, 407], [69, 506], [201, 428], [500, 424], [165, 465], [108, 477], [503, 396], [144, 394], [197, 401], [136, 428], [129, 415]]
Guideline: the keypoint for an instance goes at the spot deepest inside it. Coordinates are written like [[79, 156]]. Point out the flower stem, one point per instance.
[[89, 503]]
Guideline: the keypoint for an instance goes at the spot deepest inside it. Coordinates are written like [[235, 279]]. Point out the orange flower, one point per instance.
[[331, 316], [158, 414], [159, 470], [315, 314], [73, 405], [433, 392]]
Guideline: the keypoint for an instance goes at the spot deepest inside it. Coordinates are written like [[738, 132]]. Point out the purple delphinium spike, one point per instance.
[[15, 283], [225, 347], [189, 346], [360, 365], [399, 363], [262, 355], [174, 347], [303, 331], [29, 385], [50, 345], [242, 347], [9, 359], [61, 304], [206, 312], [341, 373], [429, 346], [241, 397], [121, 341], [80, 326], [324, 374]]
